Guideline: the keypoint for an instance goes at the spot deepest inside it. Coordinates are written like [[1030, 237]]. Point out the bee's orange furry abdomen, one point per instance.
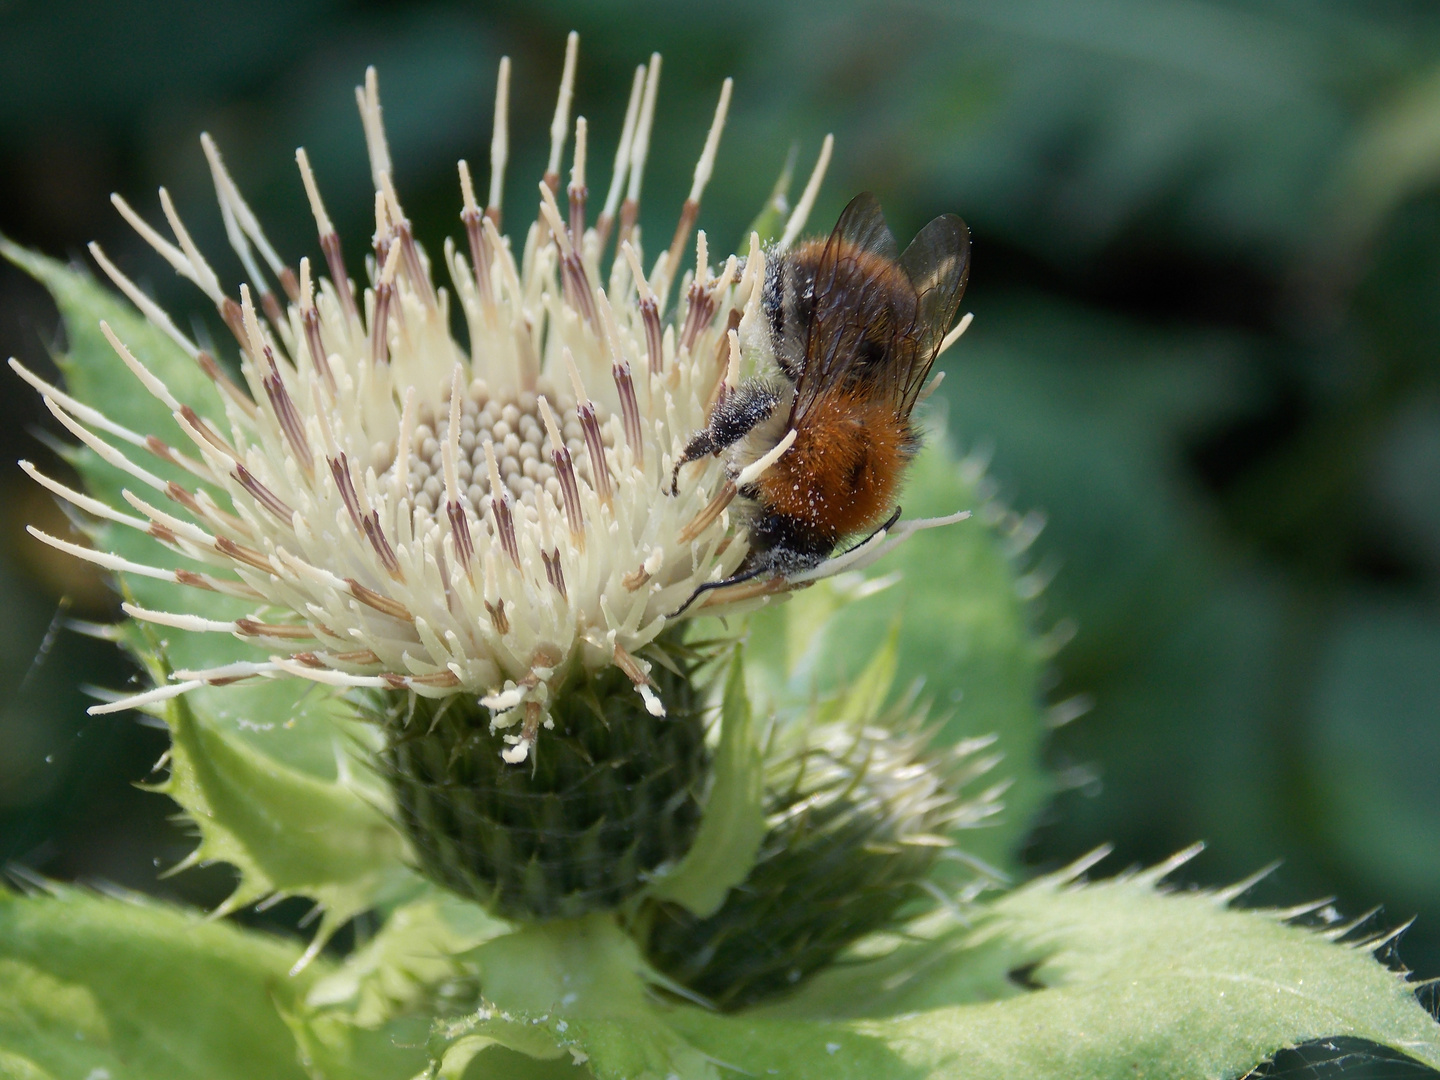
[[842, 473]]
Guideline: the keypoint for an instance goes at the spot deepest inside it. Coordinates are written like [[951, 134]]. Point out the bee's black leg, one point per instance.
[[734, 579], [782, 551], [734, 418], [702, 443], [894, 517]]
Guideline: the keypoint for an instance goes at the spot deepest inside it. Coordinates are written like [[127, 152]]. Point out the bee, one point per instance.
[[851, 329]]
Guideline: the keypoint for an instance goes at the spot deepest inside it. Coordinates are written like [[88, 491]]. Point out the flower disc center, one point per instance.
[[512, 422]]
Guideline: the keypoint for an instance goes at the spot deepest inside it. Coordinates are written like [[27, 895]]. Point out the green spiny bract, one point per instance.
[[857, 820], [610, 793]]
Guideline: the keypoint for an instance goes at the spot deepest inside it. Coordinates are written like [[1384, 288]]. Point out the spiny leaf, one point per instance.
[[286, 832], [1059, 979], [398, 970], [1132, 982], [369, 1018], [570, 987], [131, 989]]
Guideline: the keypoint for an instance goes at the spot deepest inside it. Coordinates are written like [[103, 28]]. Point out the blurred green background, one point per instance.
[[1206, 281]]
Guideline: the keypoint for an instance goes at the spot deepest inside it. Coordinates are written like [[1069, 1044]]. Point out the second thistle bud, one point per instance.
[[611, 793], [857, 819]]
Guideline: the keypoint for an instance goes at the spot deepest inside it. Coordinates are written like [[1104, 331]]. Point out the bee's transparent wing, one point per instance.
[[862, 225], [849, 305], [938, 265]]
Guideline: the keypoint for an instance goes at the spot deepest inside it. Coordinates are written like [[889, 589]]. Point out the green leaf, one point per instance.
[[1132, 983], [576, 987], [399, 969], [370, 1018], [1060, 979], [734, 823], [92, 370], [960, 605], [286, 832], [333, 1047], [93, 986], [1126, 981]]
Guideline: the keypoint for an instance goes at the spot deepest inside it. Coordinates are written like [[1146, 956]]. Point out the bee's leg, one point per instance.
[[734, 417], [781, 547], [734, 579]]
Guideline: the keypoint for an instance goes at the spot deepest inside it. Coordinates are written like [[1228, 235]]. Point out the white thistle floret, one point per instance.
[[409, 515]]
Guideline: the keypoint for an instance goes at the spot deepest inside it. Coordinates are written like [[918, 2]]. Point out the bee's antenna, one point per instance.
[[889, 523]]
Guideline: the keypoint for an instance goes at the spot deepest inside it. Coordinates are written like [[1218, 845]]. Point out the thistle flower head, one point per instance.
[[413, 514], [858, 817]]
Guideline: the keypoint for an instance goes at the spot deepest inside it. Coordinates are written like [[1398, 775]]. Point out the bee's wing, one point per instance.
[[938, 265], [862, 225], [845, 304]]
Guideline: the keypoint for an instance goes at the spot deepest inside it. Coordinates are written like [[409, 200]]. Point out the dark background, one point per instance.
[[1206, 281]]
